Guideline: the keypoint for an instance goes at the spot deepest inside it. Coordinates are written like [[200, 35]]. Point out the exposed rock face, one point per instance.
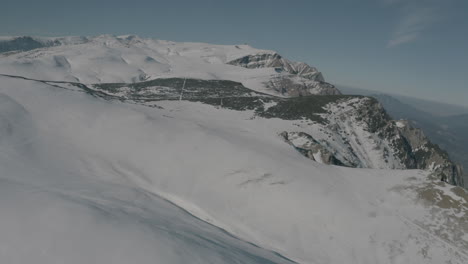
[[359, 133], [310, 148], [274, 60], [292, 78], [412, 147], [429, 156], [294, 86]]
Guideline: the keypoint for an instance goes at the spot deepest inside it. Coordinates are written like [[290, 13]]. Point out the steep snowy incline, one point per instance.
[[56, 212], [111, 59], [114, 159]]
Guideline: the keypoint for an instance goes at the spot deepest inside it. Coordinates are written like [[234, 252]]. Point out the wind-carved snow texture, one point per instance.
[[103, 181]]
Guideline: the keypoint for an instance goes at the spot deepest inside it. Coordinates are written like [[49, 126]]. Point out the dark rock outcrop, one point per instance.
[[310, 148], [361, 134]]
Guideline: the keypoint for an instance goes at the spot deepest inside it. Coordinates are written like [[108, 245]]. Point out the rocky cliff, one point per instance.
[[357, 132], [293, 78]]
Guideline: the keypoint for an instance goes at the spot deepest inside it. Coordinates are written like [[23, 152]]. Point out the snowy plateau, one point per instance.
[[119, 149]]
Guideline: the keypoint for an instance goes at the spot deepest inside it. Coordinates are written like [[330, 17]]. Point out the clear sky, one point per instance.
[[411, 47]]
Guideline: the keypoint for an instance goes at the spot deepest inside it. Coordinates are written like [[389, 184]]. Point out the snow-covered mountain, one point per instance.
[[184, 168], [111, 59], [148, 63]]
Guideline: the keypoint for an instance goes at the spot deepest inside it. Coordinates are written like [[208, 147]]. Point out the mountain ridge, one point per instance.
[[86, 60], [367, 138], [260, 70]]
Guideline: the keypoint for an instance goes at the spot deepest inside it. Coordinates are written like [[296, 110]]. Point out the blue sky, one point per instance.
[[410, 47]]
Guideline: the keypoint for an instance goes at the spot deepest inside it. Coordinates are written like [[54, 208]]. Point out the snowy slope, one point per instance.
[[135, 61], [347, 130], [56, 209], [111, 59], [98, 173]]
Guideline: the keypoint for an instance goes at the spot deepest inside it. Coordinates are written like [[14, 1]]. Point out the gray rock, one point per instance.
[[292, 78], [395, 144], [310, 148]]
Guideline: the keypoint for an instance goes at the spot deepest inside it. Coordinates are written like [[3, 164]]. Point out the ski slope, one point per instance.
[[85, 180]]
